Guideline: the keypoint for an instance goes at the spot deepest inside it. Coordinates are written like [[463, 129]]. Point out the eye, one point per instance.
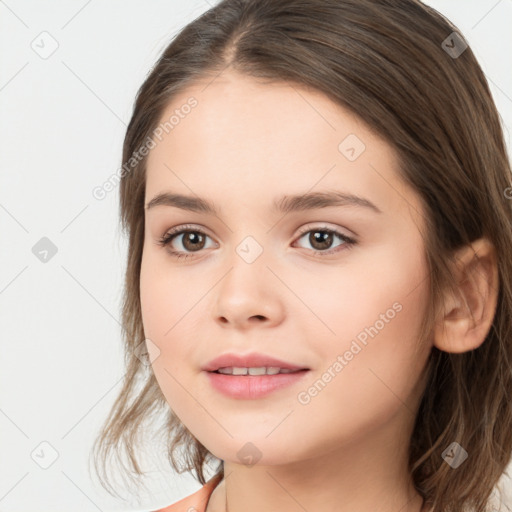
[[193, 240], [321, 238]]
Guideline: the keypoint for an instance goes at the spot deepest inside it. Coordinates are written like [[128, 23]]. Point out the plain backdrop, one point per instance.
[[69, 74]]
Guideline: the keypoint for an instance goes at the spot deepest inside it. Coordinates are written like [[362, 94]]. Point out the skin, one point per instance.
[[244, 144]]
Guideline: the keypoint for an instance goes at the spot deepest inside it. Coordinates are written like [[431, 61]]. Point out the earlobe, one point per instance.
[[466, 319]]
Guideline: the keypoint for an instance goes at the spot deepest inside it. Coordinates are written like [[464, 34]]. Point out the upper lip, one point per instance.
[[252, 360]]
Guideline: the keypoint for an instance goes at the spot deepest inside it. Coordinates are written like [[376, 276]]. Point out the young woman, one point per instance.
[[317, 196]]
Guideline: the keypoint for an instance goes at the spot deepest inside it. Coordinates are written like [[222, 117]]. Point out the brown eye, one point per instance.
[[191, 240], [321, 239]]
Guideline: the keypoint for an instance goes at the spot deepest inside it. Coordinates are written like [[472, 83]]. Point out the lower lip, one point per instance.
[[253, 386]]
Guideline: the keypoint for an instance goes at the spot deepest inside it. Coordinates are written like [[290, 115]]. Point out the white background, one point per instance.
[[62, 125]]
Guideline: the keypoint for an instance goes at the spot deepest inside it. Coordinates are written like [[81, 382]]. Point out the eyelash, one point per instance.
[[166, 239]]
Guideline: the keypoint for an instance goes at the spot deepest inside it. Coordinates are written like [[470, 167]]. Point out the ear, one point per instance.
[[466, 320]]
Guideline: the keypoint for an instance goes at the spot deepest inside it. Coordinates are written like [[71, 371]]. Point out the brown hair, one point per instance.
[[385, 61]]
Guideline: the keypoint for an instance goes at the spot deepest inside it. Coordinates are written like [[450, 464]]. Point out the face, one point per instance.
[[338, 288]]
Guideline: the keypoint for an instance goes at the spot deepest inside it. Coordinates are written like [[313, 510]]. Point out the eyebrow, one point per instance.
[[284, 204]]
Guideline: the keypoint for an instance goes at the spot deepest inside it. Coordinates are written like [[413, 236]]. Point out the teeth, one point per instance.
[[262, 370], [257, 371]]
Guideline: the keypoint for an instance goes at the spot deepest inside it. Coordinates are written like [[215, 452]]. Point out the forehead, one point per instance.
[[262, 138]]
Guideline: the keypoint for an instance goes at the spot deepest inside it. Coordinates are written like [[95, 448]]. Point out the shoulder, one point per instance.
[[195, 502]]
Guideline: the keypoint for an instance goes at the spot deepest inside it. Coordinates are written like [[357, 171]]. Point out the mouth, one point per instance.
[[256, 371], [251, 364]]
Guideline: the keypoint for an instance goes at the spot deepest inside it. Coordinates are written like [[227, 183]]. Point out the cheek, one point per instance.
[[159, 308], [380, 295], [165, 295], [374, 314], [154, 299], [377, 376], [380, 331], [167, 309]]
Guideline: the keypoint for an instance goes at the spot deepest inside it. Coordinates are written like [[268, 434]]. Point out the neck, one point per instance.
[[272, 491]]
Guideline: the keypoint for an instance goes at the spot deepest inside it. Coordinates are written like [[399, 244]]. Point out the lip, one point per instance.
[[252, 360], [251, 387]]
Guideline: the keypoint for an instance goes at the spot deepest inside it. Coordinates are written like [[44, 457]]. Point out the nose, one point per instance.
[[249, 295]]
